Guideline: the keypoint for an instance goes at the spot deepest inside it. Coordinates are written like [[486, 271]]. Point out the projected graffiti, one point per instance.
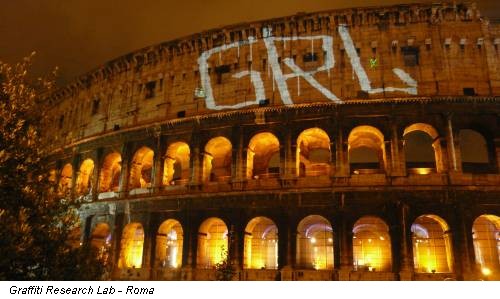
[[280, 79]]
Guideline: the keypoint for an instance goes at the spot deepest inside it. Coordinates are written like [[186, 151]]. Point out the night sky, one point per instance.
[[78, 36]]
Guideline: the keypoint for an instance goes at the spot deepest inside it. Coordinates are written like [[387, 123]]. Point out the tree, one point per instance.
[[37, 226], [224, 270]]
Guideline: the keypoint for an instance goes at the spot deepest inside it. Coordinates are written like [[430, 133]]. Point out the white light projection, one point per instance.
[[364, 82], [280, 79]]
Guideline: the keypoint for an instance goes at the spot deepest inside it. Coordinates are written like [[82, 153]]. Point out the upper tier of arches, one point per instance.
[[261, 157]]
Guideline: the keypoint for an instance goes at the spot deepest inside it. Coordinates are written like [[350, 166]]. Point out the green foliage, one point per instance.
[[224, 270], [37, 228]]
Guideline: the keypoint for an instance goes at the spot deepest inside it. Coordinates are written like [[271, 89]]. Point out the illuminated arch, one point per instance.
[[261, 244], [84, 180], [176, 165], [212, 243], [315, 243], [422, 149], [169, 240], [474, 152], [141, 168], [101, 240], [217, 159], [131, 246], [366, 149], [371, 245], [65, 181], [110, 173], [263, 158], [313, 153], [432, 251], [486, 238]]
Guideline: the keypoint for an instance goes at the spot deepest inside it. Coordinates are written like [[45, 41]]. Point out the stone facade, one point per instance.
[[133, 140]]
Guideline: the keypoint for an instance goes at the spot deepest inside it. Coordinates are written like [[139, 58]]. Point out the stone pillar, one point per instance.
[[406, 271], [289, 152], [189, 249], [195, 162], [443, 162], [388, 158], [345, 248], [496, 144], [463, 247], [285, 251], [342, 168], [398, 161], [125, 170], [76, 173], [235, 239], [96, 173], [238, 159], [455, 163], [149, 236], [158, 164]]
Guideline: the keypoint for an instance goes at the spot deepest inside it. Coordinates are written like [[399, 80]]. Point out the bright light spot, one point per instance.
[[382, 238], [313, 240], [486, 271], [330, 240], [423, 171]]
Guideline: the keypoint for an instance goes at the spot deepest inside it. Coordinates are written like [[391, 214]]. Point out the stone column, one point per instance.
[[388, 158], [96, 173], [455, 163], [235, 239], [345, 248], [189, 249], [195, 163], [124, 173], [463, 247], [285, 253], [406, 271], [496, 144], [149, 235], [397, 150], [158, 164], [342, 168], [76, 173], [288, 152], [238, 158]]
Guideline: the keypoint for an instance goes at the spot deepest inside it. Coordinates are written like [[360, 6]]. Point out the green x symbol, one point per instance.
[[373, 62]]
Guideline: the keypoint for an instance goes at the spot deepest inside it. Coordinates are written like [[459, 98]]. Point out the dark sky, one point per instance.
[[78, 36]]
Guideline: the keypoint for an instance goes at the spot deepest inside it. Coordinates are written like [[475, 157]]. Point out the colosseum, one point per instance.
[[355, 144]]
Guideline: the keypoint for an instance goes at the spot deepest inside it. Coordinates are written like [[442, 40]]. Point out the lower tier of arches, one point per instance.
[[315, 235]]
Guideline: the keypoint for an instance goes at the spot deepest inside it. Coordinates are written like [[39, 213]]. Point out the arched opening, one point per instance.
[[110, 173], [84, 180], [261, 244], [65, 182], [217, 160], [431, 245], [131, 246], [486, 238], [422, 149], [263, 158], [366, 150], [315, 243], [313, 153], [371, 245], [169, 244], [212, 243], [474, 152], [141, 168], [101, 240], [176, 165]]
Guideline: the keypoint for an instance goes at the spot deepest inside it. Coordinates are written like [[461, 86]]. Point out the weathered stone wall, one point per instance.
[[456, 50]]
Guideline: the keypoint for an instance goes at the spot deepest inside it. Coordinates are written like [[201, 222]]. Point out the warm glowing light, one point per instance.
[[131, 246], [486, 271], [423, 171], [313, 240]]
